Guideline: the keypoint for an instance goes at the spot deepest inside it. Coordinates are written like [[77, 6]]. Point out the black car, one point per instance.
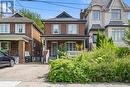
[[6, 60]]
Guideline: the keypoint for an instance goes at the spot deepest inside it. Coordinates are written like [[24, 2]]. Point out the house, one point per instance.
[[66, 31], [20, 37], [108, 16]]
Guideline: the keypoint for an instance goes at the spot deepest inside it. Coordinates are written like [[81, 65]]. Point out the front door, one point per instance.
[[54, 48]]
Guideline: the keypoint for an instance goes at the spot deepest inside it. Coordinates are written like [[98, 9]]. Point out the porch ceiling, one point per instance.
[[15, 37]]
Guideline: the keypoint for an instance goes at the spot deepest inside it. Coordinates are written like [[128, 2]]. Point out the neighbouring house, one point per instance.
[[20, 37], [108, 16], [67, 31]]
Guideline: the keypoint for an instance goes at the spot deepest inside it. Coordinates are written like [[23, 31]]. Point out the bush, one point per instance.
[[103, 64], [122, 52]]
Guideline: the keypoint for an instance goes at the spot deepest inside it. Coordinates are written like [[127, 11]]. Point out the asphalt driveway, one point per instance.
[[33, 75]]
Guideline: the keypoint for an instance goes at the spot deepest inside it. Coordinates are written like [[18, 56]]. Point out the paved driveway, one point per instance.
[[33, 75]]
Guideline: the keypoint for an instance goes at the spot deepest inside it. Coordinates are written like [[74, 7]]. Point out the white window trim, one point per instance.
[[98, 17], [70, 43], [53, 29], [116, 19], [72, 24], [8, 30], [16, 30], [121, 29]]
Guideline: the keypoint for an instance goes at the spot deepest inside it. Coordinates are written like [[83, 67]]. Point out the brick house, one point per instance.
[[64, 30], [108, 16], [20, 36]]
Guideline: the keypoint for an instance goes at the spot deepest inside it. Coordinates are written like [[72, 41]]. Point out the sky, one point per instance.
[[50, 11]]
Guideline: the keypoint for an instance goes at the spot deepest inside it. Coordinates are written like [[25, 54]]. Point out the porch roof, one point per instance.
[[15, 37]]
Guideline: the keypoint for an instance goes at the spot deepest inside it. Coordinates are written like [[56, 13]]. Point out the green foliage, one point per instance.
[[62, 52], [127, 35], [100, 65], [34, 16], [102, 40], [122, 52]]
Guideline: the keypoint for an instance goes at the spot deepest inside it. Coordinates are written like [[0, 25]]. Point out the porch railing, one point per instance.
[[73, 53]]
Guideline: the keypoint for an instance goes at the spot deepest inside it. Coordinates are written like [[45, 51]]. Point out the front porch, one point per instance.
[[17, 46]]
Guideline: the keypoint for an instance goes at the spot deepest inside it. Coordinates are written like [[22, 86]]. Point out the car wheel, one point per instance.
[[11, 63]]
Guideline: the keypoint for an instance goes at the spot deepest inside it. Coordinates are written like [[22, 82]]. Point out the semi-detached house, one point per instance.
[[20, 37]]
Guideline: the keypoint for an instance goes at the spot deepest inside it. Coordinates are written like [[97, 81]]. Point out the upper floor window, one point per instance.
[[19, 28], [116, 14], [94, 38], [56, 29], [96, 15], [117, 35], [72, 29], [4, 28]]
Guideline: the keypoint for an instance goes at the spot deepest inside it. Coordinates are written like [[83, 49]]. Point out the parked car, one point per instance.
[[6, 60]]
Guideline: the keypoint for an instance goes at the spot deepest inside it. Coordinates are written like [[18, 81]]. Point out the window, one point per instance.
[[96, 15], [4, 28], [19, 28], [94, 38], [72, 29], [71, 46], [56, 29], [116, 14], [117, 35]]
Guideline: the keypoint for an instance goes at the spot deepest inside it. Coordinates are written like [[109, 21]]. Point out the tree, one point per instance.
[[34, 16], [127, 35], [102, 40]]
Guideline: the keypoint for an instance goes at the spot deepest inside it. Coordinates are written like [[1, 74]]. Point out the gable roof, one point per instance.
[[64, 17], [106, 4], [16, 18]]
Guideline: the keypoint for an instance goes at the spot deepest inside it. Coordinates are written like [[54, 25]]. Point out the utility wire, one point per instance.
[[35, 8], [53, 4], [56, 2]]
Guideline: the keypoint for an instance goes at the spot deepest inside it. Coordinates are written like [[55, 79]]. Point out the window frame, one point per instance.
[[59, 32], [93, 15], [94, 39], [117, 37], [3, 30], [77, 29], [17, 30], [71, 49], [115, 18]]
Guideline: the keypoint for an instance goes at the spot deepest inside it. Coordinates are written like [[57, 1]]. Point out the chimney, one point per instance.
[[81, 14]]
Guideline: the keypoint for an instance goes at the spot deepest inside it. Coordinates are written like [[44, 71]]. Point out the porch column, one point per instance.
[[21, 51]]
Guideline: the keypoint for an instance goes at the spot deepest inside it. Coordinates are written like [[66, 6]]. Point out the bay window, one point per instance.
[[118, 35], [96, 15]]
